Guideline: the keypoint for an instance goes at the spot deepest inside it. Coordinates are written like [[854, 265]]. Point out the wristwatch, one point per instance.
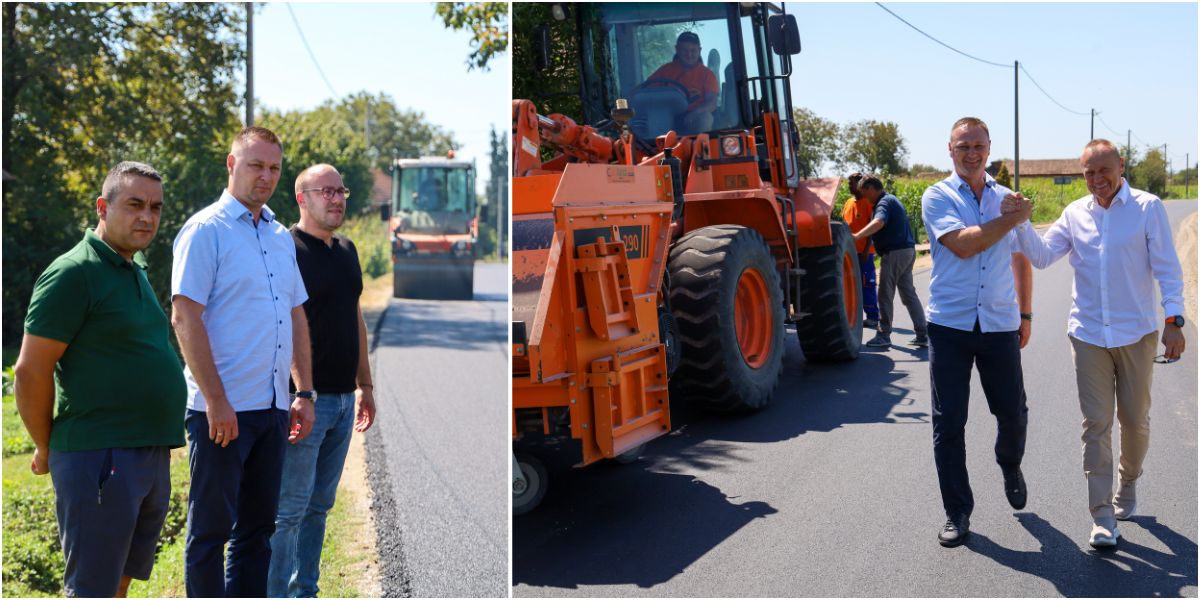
[[1175, 320], [308, 395], [1027, 316]]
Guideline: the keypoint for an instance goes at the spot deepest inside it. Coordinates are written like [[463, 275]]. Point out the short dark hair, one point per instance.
[[689, 37], [123, 170], [255, 133], [852, 182], [871, 181], [972, 121]]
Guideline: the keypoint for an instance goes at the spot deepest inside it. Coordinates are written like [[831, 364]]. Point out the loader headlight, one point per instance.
[[462, 248]]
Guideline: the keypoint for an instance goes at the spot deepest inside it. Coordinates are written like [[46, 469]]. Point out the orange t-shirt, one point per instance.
[[698, 80], [857, 217]]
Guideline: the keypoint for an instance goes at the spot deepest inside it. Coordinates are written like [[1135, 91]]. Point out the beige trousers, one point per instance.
[[1102, 374]]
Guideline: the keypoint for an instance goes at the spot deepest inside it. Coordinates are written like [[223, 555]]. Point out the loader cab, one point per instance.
[[739, 81]]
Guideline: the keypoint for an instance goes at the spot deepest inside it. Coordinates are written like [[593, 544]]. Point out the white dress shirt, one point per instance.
[[1115, 252]]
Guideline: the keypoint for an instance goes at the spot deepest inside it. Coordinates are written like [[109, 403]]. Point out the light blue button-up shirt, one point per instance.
[[1117, 253], [980, 287], [245, 274]]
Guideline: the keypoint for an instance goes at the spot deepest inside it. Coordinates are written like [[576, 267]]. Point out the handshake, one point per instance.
[[1016, 203]]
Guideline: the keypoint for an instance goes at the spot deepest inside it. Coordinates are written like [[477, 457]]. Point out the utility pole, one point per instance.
[[1187, 179], [1167, 165], [1129, 148], [1092, 133], [1016, 127], [249, 64]]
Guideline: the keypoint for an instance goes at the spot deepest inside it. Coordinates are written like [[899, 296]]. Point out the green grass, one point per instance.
[[33, 561]]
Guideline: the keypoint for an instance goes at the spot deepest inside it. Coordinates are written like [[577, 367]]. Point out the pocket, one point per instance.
[[107, 471]]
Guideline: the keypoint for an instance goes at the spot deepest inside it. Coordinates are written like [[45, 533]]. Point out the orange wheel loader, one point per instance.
[[666, 232]]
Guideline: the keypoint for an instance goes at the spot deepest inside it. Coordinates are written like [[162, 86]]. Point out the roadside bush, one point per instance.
[[369, 235], [32, 554]]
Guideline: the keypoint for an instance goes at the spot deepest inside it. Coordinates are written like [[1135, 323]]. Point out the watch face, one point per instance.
[[1178, 321]]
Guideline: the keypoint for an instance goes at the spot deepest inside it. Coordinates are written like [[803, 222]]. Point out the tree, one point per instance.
[[818, 142], [488, 22], [497, 188], [875, 146], [88, 85], [1150, 173], [394, 132], [919, 168], [1003, 177], [555, 89]]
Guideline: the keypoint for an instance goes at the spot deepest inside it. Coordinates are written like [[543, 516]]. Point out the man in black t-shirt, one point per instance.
[[893, 239], [341, 376]]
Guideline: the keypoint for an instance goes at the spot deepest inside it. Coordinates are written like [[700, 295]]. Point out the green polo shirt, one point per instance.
[[119, 384]]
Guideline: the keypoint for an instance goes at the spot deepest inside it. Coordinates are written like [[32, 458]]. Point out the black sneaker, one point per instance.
[[955, 532], [1014, 488]]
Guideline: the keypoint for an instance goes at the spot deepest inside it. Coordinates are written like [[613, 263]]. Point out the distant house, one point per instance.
[[381, 191], [1050, 167]]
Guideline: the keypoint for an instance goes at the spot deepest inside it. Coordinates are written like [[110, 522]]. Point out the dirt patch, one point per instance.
[[1185, 246], [353, 486]]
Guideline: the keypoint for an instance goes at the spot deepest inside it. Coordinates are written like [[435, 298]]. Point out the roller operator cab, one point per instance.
[[434, 228]]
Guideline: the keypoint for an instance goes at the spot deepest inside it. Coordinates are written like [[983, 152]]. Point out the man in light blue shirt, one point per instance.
[[980, 296], [237, 301], [1119, 242]]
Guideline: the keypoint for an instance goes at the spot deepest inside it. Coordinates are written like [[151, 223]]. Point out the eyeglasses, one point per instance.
[[1163, 360], [328, 192]]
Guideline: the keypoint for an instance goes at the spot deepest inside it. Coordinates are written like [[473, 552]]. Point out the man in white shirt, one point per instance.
[[1119, 241]]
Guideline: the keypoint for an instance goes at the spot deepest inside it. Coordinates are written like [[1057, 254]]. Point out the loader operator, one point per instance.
[[699, 82]]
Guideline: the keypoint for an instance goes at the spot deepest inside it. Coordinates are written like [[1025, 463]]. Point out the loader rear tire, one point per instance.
[[727, 302], [536, 478], [831, 297]]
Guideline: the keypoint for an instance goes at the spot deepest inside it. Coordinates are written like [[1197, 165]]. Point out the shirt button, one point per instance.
[[271, 274], [981, 286], [276, 297], [281, 322], [280, 346]]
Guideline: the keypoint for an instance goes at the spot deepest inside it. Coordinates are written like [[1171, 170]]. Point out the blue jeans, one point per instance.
[[233, 498], [311, 470], [866, 264]]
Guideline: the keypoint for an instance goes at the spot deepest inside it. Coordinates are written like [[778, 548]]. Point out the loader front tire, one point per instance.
[[727, 302], [831, 296]]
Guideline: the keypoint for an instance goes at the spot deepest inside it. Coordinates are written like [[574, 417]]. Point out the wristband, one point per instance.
[[1027, 316]]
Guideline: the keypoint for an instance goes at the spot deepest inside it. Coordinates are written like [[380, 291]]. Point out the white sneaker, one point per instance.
[[1104, 536], [1125, 502]]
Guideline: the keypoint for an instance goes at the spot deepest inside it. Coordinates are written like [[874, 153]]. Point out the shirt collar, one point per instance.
[[957, 181], [1123, 195], [104, 251], [232, 208]]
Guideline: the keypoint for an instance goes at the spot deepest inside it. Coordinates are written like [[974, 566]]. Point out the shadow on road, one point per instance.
[[645, 523], [610, 524], [1132, 570], [455, 325]]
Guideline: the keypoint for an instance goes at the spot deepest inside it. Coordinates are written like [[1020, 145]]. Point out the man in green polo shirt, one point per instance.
[[96, 342]]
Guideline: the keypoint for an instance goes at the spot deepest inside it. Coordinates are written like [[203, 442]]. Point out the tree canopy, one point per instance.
[[488, 22]]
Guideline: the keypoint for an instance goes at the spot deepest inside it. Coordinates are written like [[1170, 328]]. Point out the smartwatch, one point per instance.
[[307, 395], [1175, 320]]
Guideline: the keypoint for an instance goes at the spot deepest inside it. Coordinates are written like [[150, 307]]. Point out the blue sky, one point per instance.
[[399, 49], [1136, 63]]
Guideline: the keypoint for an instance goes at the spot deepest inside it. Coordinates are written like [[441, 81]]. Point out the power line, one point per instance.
[[1105, 123], [310, 52], [918, 30], [1048, 94]]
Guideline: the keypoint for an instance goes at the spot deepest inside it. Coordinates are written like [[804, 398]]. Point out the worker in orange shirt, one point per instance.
[[857, 213], [695, 79]]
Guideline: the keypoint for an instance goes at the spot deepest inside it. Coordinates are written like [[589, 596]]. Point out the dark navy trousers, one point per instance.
[[997, 357], [234, 496]]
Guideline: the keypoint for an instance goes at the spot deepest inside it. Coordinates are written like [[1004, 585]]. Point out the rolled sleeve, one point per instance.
[[938, 213], [194, 265]]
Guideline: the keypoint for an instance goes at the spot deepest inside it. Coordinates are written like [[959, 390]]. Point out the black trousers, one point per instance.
[[997, 356], [233, 500]]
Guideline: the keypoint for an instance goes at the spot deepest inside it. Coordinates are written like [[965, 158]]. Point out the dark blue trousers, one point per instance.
[[234, 496], [997, 357]]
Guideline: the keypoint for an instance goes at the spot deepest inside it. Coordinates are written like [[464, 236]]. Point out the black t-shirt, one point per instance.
[[333, 279]]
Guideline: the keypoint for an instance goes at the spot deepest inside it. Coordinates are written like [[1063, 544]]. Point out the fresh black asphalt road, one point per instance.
[[438, 455], [831, 490]]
